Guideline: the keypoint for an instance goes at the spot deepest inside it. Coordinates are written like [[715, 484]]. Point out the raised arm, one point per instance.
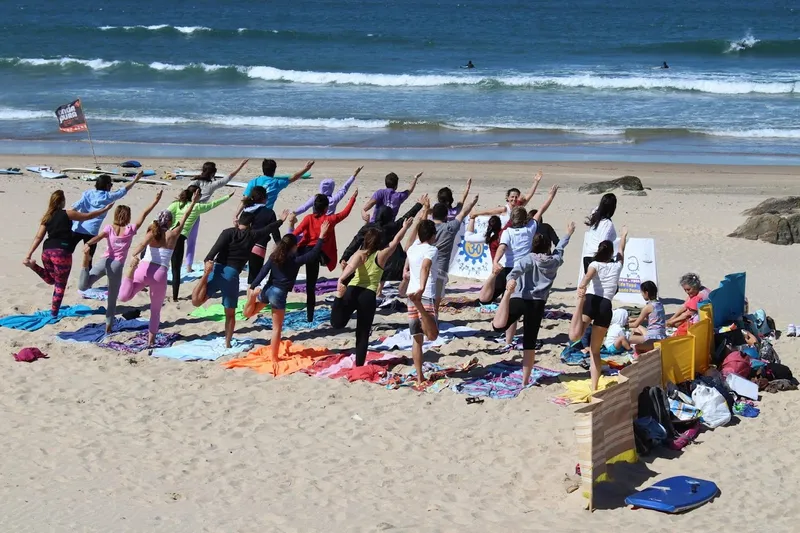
[[149, 209], [367, 206], [272, 226], [356, 261], [344, 213], [97, 238], [527, 198], [466, 209], [413, 183], [208, 206], [411, 213], [546, 205], [426, 207], [338, 195], [305, 207], [80, 217], [387, 252], [466, 192], [136, 179], [137, 250], [623, 240], [299, 174], [559, 250], [590, 273], [233, 174], [490, 212]]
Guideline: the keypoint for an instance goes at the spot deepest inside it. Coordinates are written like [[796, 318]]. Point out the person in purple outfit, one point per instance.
[[390, 197], [326, 187]]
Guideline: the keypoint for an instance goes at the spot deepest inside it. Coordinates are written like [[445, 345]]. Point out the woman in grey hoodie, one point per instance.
[[527, 289], [326, 187]]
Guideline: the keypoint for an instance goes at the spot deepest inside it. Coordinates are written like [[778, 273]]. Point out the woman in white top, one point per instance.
[[595, 291], [208, 184], [600, 228], [158, 245]]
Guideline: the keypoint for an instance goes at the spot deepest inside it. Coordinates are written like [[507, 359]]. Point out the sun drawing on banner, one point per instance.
[[472, 256]]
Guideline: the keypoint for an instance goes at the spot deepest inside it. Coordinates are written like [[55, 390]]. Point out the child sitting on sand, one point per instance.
[[644, 338]]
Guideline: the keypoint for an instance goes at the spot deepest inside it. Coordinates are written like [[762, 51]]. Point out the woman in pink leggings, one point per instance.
[[151, 272]]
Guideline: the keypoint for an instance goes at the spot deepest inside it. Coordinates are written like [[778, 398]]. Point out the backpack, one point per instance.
[[654, 403]]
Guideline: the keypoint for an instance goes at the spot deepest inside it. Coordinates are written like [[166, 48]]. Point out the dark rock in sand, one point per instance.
[[776, 221], [626, 183], [775, 206], [637, 193]]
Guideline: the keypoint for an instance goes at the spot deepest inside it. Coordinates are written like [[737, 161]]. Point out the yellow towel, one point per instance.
[[580, 391]]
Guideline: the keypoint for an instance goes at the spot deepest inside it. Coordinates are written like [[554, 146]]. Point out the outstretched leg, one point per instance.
[[200, 291]]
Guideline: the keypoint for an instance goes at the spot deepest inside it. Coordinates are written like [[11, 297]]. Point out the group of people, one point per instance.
[[526, 255]]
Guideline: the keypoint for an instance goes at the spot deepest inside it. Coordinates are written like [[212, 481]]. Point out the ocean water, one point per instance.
[[576, 79]]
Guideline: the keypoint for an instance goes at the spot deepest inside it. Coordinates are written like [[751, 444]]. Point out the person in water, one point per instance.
[[664, 65], [469, 64]]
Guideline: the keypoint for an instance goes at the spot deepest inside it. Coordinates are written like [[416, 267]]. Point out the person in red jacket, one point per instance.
[[309, 229]]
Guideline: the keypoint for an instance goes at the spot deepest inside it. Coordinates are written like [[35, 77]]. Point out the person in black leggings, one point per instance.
[[364, 272]]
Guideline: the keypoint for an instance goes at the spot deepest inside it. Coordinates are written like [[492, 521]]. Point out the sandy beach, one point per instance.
[[96, 440]]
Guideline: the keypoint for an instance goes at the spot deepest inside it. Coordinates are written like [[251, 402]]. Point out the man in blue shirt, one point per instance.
[[273, 185], [92, 201]]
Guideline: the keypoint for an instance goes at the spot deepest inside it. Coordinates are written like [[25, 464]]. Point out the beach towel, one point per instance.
[[291, 358], [216, 313], [438, 377], [208, 348], [96, 332], [94, 293], [344, 366], [127, 343], [554, 314], [402, 339], [40, 319], [487, 308], [196, 273], [323, 286], [296, 320], [503, 381], [580, 390]]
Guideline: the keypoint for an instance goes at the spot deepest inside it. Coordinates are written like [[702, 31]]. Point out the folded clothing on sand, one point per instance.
[[296, 320], [96, 332], [40, 319], [323, 286], [127, 343], [94, 293], [503, 381], [344, 366], [209, 348], [291, 358], [580, 390], [402, 339]]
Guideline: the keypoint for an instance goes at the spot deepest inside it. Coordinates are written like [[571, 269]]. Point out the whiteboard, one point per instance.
[[472, 259]]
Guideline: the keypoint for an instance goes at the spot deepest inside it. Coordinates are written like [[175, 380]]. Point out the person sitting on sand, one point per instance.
[[445, 196], [357, 288], [513, 199], [151, 273], [272, 184], [421, 266], [687, 314], [119, 237], [388, 196], [225, 261], [616, 335], [643, 338], [282, 266], [96, 200], [527, 291], [595, 292], [326, 187], [56, 224]]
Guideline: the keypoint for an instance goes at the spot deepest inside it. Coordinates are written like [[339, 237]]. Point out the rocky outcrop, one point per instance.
[[776, 221], [626, 183]]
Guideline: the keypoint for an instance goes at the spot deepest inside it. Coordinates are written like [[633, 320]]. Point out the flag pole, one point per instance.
[[91, 144]]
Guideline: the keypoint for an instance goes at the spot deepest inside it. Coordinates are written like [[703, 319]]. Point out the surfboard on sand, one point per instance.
[[674, 495], [14, 171], [50, 175], [180, 173]]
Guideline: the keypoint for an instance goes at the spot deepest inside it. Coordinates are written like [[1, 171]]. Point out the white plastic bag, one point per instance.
[[712, 404]]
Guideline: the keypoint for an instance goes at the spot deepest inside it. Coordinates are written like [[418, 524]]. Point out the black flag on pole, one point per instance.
[[70, 117]]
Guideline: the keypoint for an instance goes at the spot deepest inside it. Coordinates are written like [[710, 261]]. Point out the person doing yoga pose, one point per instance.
[[56, 224]]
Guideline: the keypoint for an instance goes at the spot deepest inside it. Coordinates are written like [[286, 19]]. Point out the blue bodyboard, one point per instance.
[[674, 495]]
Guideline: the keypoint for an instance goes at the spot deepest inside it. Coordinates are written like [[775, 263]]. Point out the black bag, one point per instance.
[[774, 371], [653, 402]]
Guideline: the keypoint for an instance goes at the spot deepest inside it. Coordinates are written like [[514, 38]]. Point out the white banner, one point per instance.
[[472, 259], [639, 266]]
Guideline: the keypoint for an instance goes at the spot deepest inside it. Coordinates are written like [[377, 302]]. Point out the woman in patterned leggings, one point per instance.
[[57, 249]]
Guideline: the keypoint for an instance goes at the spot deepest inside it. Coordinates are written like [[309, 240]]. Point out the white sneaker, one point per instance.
[[791, 331]]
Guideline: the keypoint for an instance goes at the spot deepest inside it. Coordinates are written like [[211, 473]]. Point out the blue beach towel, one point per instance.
[[97, 332], [502, 381], [196, 273], [296, 320], [209, 348], [40, 319]]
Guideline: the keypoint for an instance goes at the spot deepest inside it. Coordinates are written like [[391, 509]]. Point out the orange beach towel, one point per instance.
[[291, 358]]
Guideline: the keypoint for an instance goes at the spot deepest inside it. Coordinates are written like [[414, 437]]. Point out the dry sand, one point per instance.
[[94, 440]]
